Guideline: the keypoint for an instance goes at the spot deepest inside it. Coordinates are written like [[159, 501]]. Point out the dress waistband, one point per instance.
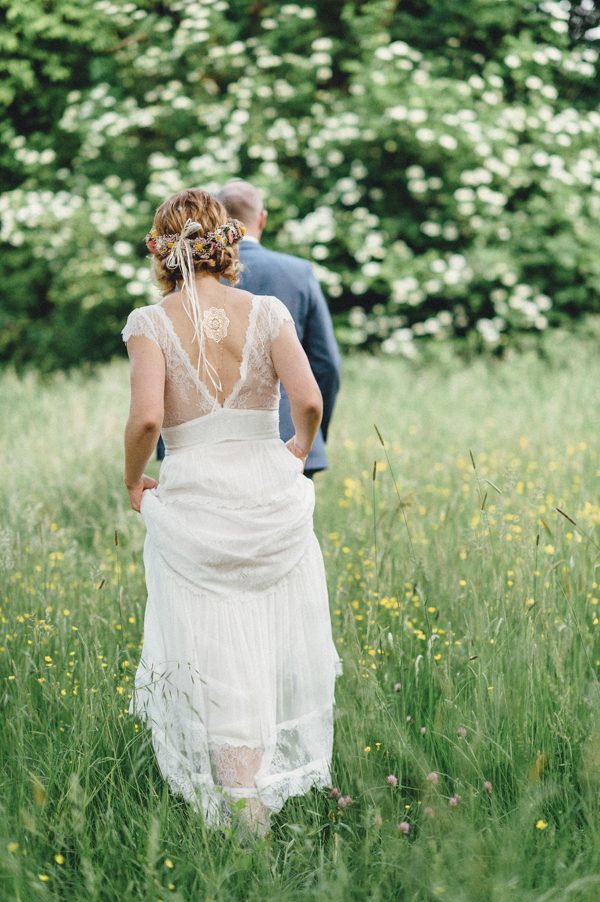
[[223, 425]]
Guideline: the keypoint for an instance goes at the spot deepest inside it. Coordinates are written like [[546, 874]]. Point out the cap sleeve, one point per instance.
[[278, 314], [139, 322]]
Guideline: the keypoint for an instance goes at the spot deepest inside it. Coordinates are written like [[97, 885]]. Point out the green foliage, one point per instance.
[[438, 161], [438, 583]]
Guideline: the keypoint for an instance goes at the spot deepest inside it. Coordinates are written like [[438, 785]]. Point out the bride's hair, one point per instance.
[[201, 207]]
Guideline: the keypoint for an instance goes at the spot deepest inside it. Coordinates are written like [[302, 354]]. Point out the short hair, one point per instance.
[[242, 200]]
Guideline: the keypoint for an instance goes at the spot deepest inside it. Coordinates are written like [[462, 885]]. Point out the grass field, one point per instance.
[[465, 607]]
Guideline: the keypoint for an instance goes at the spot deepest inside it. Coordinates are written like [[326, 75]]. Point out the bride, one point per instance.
[[237, 670]]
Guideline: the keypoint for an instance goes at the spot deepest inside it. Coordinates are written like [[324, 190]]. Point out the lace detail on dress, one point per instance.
[[140, 323], [278, 314], [235, 768], [260, 389], [206, 772], [186, 395]]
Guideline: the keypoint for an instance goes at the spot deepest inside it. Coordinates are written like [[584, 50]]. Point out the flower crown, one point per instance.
[[200, 247]]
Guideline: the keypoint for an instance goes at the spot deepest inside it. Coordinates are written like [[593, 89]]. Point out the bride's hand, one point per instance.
[[294, 449], [136, 491]]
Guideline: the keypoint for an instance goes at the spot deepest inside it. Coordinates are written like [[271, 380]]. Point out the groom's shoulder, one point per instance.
[[285, 262]]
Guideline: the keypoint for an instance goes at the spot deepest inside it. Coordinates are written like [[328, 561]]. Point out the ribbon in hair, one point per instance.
[[181, 252]]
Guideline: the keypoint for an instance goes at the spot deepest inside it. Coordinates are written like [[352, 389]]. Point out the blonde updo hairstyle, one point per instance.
[[202, 207]]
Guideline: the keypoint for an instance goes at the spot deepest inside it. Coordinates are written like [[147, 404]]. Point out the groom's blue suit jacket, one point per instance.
[[293, 282]]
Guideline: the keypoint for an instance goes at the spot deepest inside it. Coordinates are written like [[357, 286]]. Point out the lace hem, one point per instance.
[[209, 796], [280, 788]]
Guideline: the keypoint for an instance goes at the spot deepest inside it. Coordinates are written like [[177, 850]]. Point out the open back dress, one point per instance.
[[237, 670]]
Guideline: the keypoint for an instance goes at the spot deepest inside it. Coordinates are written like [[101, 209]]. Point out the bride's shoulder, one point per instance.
[[275, 313], [143, 321], [154, 312], [150, 310], [273, 304]]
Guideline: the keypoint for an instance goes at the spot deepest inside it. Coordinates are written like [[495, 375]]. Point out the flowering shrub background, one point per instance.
[[440, 167]]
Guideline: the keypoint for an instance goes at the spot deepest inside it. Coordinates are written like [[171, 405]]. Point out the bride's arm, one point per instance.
[[145, 413], [306, 403]]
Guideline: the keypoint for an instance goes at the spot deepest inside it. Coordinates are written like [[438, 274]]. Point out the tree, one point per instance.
[[437, 160]]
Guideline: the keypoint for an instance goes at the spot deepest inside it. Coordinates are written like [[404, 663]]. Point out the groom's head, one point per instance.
[[244, 202]]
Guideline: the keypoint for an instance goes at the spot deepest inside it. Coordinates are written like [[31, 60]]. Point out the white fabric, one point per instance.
[[237, 671], [187, 396]]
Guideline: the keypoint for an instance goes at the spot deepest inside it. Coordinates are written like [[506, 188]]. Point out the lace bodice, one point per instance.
[[187, 396]]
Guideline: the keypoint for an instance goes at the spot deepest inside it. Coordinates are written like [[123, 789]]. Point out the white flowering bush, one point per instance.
[[442, 174]]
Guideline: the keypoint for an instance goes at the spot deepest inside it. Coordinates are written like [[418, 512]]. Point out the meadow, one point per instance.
[[460, 524]]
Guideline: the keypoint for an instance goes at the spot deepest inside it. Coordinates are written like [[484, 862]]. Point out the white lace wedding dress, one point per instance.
[[237, 670]]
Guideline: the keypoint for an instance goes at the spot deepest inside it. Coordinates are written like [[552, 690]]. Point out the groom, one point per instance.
[[291, 279]]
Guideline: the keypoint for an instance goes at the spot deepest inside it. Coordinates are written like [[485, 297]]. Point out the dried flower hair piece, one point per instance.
[[201, 247]]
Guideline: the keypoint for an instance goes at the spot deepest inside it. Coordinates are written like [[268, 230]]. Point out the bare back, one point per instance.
[[239, 330], [226, 325]]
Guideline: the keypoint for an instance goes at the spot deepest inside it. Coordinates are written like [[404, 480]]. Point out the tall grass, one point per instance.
[[462, 547]]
